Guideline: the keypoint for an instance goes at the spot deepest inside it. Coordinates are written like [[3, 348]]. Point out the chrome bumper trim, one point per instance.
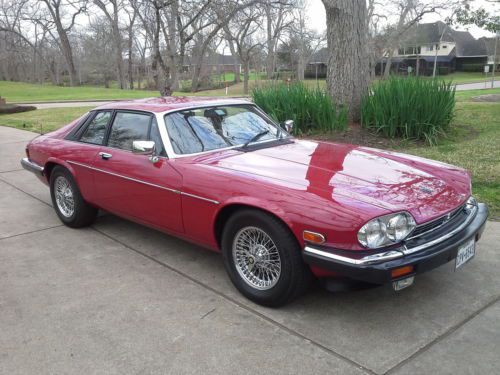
[[472, 214], [31, 166], [369, 259], [398, 253]]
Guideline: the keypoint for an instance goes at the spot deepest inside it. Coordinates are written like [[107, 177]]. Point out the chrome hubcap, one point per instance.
[[256, 258], [64, 196]]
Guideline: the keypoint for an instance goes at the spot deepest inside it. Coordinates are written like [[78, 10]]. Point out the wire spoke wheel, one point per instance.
[[256, 258], [64, 196]]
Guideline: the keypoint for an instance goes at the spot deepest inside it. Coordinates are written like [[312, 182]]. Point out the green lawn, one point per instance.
[[43, 120], [25, 92], [473, 144]]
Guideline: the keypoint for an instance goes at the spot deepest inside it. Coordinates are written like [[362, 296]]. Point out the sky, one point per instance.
[[317, 19]]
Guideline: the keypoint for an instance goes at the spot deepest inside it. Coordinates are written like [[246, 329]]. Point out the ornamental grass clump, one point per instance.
[[410, 108], [312, 110]]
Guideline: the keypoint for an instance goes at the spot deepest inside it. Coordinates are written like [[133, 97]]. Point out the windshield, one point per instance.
[[205, 129]]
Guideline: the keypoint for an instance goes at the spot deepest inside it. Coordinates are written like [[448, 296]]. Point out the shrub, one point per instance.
[[473, 67], [310, 109], [11, 108], [416, 108]]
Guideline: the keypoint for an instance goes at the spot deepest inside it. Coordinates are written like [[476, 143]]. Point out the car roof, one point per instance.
[[169, 103]]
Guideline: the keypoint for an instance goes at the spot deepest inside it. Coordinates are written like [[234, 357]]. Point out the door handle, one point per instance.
[[105, 155]]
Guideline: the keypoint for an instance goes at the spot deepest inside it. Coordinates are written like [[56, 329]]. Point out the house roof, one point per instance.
[[320, 56], [490, 45], [430, 33]]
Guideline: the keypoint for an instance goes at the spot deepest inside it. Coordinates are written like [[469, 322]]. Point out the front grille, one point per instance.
[[436, 223]]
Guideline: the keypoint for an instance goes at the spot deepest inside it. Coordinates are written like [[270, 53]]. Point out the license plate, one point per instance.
[[465, 253]]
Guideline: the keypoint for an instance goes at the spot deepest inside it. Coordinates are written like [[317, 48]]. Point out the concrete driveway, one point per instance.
[[120, 298]]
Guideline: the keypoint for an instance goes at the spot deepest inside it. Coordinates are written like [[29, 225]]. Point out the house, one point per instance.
[[424, 43], [214, 63], [490, 44], [317, 64]]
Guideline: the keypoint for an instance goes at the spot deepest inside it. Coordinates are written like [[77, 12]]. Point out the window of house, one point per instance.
[[401, 51], [431, 48], [96, 129], [419, 50], [444, 46]]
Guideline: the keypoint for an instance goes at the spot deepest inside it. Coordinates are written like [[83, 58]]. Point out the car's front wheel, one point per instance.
[[68, 201], [263, 259]]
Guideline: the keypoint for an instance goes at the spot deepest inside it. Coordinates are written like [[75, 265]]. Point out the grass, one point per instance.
[[474, 145], [409, 108], [310, 109], [26, 92], [43, 120]]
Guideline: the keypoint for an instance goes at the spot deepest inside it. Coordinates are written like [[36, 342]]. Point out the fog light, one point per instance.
[[313, 237], [404, 283], [397, 272]]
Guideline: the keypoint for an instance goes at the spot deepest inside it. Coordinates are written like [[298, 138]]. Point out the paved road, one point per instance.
[[478, 86], [70, 104], [121, 298]]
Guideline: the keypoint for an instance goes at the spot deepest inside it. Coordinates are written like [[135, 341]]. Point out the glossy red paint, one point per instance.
[[324, 187]]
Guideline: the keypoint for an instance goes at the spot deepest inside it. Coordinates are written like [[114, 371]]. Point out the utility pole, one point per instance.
[[494, 60], [438, 46]]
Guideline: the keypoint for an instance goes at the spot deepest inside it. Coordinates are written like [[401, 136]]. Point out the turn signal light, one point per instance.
[[397, 272], [313, 237]]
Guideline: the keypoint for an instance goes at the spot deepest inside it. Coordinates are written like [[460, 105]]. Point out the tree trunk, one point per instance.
[[270, 43], [246, 71], [347, 73], [388, 63]]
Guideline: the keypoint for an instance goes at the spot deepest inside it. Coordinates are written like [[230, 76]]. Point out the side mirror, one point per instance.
[[288, 126], [145, 148]]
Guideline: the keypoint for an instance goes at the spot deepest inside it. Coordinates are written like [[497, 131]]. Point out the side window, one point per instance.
[[96, 129], [128, 127]]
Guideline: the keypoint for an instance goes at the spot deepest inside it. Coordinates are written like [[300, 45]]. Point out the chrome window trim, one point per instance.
[[166, 139], [143, 182]]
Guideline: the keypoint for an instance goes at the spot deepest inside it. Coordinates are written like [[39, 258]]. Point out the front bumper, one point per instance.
[[376, 268], [32, 167]]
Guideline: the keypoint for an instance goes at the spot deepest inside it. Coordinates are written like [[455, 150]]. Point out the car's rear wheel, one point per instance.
[[67, 200], [263, 259]]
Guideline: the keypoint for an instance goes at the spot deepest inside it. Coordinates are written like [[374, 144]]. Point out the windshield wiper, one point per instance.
[[255, 138]]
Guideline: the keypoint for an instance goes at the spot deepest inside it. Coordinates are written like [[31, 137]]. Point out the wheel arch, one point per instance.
[[229, 209], [51, 163]]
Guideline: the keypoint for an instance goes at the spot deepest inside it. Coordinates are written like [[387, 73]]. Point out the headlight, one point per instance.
[[386, 230]]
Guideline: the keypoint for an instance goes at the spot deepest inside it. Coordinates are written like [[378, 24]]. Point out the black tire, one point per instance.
[[83, 213], [295, 276]]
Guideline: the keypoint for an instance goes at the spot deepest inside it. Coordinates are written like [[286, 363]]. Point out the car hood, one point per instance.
[[392, 181]]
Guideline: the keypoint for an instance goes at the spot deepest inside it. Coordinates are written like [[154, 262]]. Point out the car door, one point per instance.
[[132, 185], [80, 155]]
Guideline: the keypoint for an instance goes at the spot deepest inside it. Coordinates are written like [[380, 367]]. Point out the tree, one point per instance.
[[347, 73], [276, 23], [467, 15], [242, 32], [113, 19], [59, 12]]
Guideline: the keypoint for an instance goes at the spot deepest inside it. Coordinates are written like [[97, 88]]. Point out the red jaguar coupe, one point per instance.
[[224, 175]]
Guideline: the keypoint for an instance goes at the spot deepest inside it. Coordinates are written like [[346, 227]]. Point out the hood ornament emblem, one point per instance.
[[426, 190]]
